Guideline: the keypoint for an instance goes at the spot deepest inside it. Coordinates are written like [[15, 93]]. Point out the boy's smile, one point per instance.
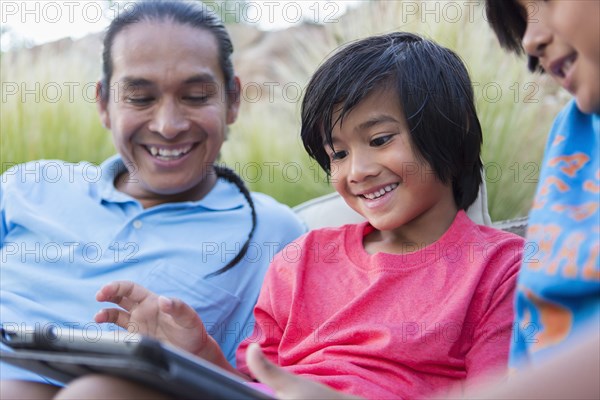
[[376, 194], [378, 197], [563, 35], [375, 169]]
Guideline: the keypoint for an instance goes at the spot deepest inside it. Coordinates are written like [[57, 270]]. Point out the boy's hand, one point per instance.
[[285, 384], [146, 313]]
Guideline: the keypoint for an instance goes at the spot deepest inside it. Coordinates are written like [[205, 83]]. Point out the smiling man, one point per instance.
[[160, 213]]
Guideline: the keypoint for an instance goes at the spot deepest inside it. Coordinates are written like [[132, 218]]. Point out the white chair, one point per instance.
[[331, 210]]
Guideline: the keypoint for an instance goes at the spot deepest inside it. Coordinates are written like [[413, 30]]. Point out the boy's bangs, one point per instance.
[[509, 21]]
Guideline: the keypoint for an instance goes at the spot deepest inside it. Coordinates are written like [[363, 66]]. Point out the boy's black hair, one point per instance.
[[435, 94], [508, 20]]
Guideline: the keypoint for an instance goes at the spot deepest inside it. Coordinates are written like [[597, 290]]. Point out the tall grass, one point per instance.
[[47, 108], [515, 107]]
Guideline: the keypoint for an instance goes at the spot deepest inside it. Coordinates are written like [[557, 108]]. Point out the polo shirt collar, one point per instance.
[[223, 196]]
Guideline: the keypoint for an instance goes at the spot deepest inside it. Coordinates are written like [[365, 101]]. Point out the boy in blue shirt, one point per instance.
[[558, 295]]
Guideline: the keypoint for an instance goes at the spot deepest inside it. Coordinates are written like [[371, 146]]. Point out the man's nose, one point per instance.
[[169, 120]]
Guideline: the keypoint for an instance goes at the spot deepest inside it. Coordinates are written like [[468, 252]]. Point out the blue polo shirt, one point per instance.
[[66, 231]]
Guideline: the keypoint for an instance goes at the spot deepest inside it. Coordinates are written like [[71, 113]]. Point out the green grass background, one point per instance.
[[515, 107]]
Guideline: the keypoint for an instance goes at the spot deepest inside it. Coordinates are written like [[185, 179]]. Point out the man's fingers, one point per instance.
[[124, 293], [114, 290], [182, 314], [113, 315]]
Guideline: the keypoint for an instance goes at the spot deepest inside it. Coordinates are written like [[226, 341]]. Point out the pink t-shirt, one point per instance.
[[390, 325]]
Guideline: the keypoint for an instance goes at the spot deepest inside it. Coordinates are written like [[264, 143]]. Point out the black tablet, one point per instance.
[[66, 354]]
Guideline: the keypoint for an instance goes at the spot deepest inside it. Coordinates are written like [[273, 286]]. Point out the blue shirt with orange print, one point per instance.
[[558, 290]]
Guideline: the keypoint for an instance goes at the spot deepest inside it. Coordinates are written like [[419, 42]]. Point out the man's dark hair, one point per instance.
[[183, 12], [435, 94]]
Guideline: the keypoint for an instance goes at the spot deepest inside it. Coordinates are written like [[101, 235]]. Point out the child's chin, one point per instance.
[[588, 106]]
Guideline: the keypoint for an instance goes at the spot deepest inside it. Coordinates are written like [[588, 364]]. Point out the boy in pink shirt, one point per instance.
[[416, 300], [419, 298]]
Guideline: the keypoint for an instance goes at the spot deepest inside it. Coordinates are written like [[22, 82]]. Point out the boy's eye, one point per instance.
[[338, 155], [381, 140]]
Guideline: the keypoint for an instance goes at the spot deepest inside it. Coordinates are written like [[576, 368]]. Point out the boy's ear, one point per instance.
[[233, 101], [102, 105]]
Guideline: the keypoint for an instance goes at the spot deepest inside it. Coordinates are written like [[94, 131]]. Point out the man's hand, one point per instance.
[[287, 385], [146, 313]]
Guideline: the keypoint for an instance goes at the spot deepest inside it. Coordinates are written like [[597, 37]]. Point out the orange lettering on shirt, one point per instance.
[[556, 322], [591, 271], [566, 256], [591, 187], [545, 236], [538, 203], [558, 139], [552, 180], [578, 213], [574, 163]]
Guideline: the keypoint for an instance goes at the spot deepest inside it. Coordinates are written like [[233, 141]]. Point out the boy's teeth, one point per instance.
[[567, 64], [381, 191]]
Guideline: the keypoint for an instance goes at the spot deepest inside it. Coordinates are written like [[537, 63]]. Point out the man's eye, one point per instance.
[[196, 99], [139, 100], [338, 155], [381, 140]]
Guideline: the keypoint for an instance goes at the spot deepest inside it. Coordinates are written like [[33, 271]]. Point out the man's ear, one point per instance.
[[102, 104], [233, 101]]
